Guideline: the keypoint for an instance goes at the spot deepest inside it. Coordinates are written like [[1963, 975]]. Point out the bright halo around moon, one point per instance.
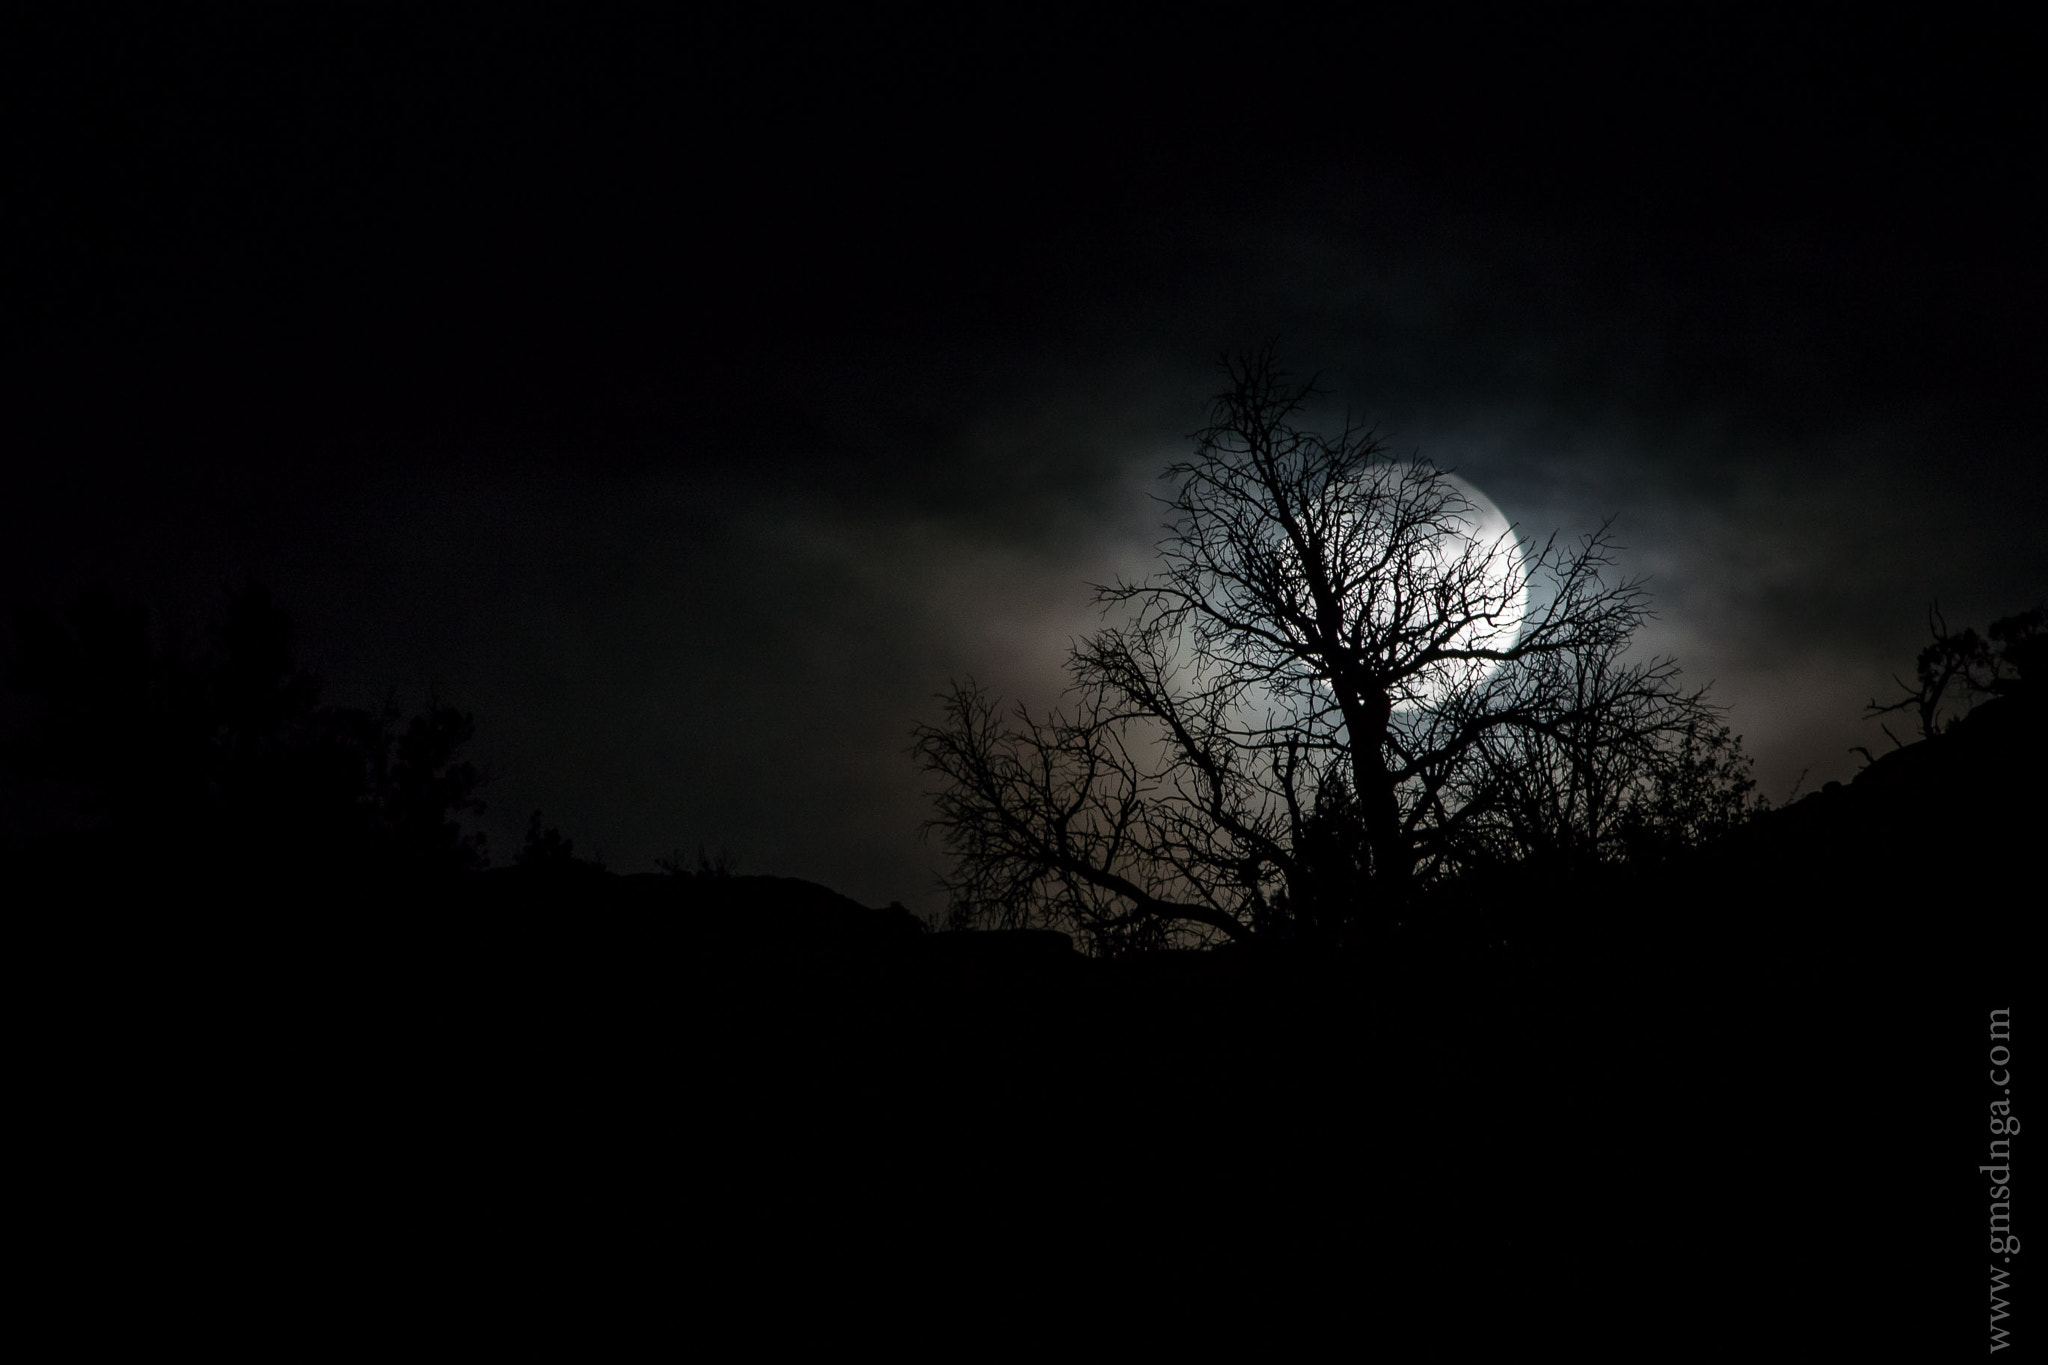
[[1484, 541]]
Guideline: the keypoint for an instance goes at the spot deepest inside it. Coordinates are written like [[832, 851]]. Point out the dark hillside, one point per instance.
[[1711, 1099]]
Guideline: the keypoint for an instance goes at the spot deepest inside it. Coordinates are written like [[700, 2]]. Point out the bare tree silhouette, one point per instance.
[[1340, 685], [1958, 668]]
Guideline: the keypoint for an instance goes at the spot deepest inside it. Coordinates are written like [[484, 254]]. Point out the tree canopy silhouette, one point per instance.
[[1341, 685]]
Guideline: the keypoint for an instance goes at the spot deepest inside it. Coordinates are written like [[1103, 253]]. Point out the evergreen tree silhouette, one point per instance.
[[228, 763]]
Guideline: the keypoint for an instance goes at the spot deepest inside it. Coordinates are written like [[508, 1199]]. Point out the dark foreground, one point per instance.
[[1733, 1104]]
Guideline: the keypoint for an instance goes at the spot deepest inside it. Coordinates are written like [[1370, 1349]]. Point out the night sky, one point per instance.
[[692, 400]]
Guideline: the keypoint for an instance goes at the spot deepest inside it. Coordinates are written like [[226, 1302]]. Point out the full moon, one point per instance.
[[1484, 539]]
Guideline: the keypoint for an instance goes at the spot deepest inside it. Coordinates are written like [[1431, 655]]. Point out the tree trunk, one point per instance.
[[1393, 862]]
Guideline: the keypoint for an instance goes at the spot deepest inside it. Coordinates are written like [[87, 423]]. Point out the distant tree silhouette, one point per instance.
[[1333, 692], [228, 760], [1958, 668]]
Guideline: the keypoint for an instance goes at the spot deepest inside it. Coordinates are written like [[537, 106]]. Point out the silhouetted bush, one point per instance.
[[544, 847], [708, 867]]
